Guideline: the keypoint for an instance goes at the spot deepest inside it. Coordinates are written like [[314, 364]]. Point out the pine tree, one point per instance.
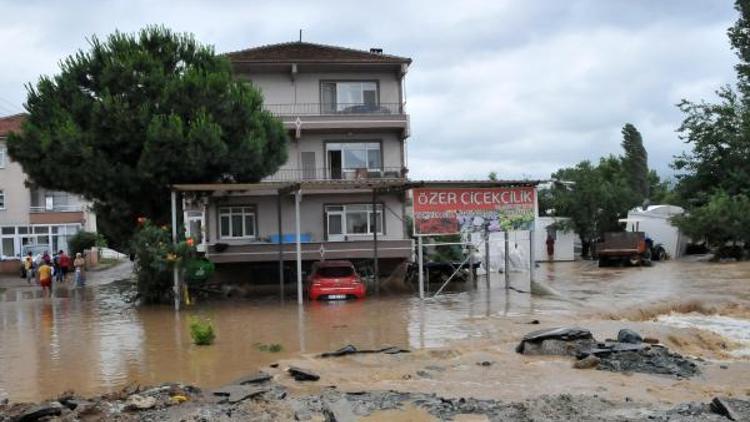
[[136, 113], [635, 162]]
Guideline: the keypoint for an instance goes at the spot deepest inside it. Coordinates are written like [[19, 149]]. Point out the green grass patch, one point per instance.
[[270, 348], [202, 331]]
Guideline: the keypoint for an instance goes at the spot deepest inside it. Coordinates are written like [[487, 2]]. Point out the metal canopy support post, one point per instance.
[[281, 245], [297, 200], [375, 242], [507, 260], [175, 275], [420, 258]]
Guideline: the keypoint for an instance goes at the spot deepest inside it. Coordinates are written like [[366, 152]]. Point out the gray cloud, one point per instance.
[[520, 88]]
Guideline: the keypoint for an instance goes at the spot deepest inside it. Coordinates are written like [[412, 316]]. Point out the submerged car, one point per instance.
[[334, 280]]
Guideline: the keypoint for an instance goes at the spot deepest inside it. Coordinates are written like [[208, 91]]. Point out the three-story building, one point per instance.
[[344, 112]]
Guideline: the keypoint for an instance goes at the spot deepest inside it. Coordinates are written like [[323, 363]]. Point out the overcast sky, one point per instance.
[[518, 87]]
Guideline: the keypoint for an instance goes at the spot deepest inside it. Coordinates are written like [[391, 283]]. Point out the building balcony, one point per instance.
[[339, 109], [323, 116], [56, 208], [59, 214], [293, 174]]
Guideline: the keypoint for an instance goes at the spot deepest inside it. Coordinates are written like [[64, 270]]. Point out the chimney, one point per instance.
[[376, 51]]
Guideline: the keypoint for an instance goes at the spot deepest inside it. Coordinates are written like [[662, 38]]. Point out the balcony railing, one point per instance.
[[56, 208], [286, 175], [338, 109]]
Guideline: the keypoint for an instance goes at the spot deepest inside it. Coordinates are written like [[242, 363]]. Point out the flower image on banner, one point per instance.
[[461, 210]]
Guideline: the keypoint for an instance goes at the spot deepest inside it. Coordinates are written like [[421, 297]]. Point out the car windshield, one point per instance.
[[335, 272]]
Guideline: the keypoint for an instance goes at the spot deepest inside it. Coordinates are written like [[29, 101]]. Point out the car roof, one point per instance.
[[336, 263]]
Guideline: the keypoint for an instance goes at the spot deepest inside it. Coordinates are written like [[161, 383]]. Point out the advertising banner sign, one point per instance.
[[442, 211]]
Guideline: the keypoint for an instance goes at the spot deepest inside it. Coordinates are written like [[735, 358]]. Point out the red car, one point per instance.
[[334, 280]]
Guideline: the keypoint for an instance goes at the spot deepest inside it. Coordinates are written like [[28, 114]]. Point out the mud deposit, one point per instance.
[[273, 403]]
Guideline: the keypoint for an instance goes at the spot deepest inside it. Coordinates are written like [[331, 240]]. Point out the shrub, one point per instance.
[[156, 258], [85, 240], [202, 331]]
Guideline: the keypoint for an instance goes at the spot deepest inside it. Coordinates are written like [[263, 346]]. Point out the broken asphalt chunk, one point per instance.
[[237, 393], [256, 378], [301, 374]]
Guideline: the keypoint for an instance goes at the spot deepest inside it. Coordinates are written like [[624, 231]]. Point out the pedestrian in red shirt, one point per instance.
[[63, 261]]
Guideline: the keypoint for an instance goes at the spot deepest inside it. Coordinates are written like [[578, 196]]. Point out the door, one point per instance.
[[195, 228], [334, 164]]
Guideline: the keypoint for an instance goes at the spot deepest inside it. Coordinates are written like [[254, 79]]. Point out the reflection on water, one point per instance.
[[92, 340]]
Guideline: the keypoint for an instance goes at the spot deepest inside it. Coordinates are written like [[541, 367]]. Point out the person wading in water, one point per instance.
[[45, 278]]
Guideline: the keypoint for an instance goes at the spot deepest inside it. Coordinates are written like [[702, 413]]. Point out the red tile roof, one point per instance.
[[11, 123], [301, 52]]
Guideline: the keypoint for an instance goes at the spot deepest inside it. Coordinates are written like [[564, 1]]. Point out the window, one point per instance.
[[237, 222], [349, 96], [2, 199], [3, 155], [352, 156], [353, 219]]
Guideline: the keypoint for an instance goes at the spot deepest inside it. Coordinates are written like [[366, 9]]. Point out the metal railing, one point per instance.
[[286, 174], [57, 208], [334, 109]]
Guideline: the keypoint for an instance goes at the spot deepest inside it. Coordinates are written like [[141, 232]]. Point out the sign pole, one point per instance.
[[472, 280], [420, 258], [532, 260], [487, 254], [507, 260]]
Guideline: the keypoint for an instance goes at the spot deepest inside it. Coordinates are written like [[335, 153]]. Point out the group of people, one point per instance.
[[55, 268]]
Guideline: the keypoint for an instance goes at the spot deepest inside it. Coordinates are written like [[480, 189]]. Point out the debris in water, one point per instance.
[[300, 374], [351, 350], [629, 336], [556, 341], [590, 361], [614, 356]]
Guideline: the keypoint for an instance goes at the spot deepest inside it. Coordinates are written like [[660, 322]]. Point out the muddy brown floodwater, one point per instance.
[[94, 341]]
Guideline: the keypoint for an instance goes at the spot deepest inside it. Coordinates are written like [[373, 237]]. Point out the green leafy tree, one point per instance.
[[137, 112], [719, 136], [719, 133], [723, 219], [594, 197], [635, 161]]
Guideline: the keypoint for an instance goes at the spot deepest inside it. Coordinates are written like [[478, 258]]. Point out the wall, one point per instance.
[[17, 198], [311, 214], [519, 245]]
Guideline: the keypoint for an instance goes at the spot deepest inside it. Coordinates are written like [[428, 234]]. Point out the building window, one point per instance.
[[237, 222], [2, 199], [344, 159], [3, 156], [353, 219], [349, 96]]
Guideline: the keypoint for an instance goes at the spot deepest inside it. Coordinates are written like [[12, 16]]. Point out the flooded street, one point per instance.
[[94, 340]]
